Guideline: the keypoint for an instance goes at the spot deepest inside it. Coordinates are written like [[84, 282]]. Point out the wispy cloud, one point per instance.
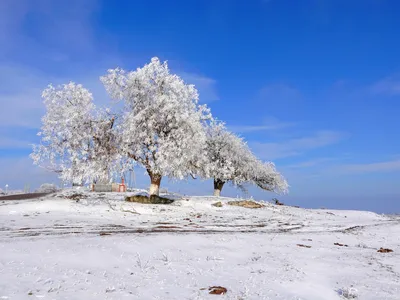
[[12, 14], [59, 25], [350, 89], [388, 86], [14, 143], [297, 146], [379, 167], [252, 128], [279, 91], [20, 96], [268, 125], [311, 163], [17, 137], [56, 30], [205, 85]]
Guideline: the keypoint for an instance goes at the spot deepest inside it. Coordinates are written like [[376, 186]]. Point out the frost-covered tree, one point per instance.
[[228, 156], [47, 188], [77, 141], [231, 160], [162, 121]]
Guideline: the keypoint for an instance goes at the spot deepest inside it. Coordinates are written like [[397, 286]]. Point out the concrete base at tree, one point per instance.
[[103, 188]]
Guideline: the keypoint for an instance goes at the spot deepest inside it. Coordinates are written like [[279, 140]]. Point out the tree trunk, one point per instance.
[[218, 184], [155, 183]]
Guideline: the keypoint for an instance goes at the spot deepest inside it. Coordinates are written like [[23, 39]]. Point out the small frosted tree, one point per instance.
[[231, 160], [77, 141], [162, 123], [227, 156]]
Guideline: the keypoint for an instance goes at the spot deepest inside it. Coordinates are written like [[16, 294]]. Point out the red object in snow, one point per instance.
[[122, 186]]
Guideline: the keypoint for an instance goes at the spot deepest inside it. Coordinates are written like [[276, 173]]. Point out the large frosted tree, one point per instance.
[[77, 141], [231, 160], [162, 122]]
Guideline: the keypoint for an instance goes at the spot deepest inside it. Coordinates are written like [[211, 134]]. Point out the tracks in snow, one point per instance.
[[119, 229], [165, 227]]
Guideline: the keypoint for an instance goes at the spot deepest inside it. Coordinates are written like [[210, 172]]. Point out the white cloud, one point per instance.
[[387, 86], [205, 85], [380, 167], [320, 139], [253, 128], [268, 125], [14, 143], [311, 163], [279, 92], [12, 14], [60, 28], [58, 25], [20, 96], [296, 146]]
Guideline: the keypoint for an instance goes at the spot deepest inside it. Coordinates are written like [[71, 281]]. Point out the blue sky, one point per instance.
[[312, 85]]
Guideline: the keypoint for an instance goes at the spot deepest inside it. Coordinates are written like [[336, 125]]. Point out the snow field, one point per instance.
[[57, 248]]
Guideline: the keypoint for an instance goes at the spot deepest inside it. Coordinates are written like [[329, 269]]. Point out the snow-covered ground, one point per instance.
[[101, 247]]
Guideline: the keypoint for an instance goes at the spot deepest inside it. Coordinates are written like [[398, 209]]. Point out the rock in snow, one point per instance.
[[153, 199]]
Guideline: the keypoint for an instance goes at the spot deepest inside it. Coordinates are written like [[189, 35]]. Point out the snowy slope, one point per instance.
[[101, 247]]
